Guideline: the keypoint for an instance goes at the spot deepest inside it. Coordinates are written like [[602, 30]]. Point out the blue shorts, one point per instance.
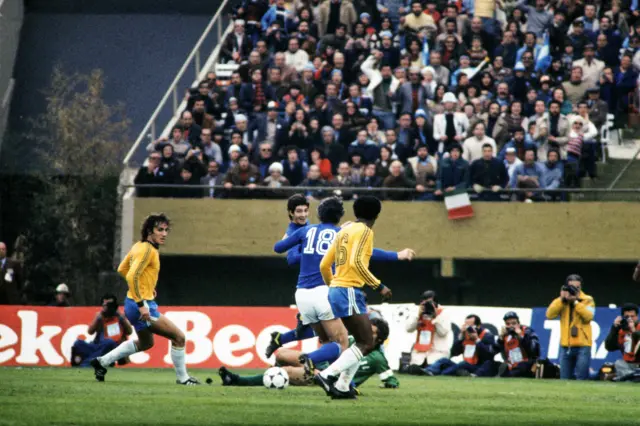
[[132, 313], [347, 301]]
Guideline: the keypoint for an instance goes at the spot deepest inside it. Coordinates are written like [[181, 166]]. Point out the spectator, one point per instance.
[[318, 158], [179, 145], [353, 119], [394, 9], [274, 181], [296, 57], [315, 181], [538, 18], [528, 174], [625, 83], [62, 296], [552, 174], [440, 73], [519, 143], [242, 179], [383, 163], [200, 117], [234, 155], [511, 161], [417, 20], [450, 126], [293, 168], [342, 135], [453, 172], [423, 132], [332, 150], [423, 169], [553, 130], [397, 179], [574, 152], [264, 159], [233, 90], [488, 175], [344, 179], [598, 109], [10, 278], [520, 347], [196, 163], [575, 309], [169, 165], [255, 95], [277, 14], [204, 94], [237, 45], [147, 175], [186, 179], [474, 146], [576, 87], [476, 345], [374, 133], [433, 328], [367, 147], [623, 337], [212, 179], [110, 327], [191, 131], [335, 12], [590, 66], [210, 148], [508, 123], [412, 95], [370, 179], [589, 135]]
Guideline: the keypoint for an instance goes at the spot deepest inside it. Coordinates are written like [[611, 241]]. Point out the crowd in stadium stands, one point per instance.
[[418, 94]]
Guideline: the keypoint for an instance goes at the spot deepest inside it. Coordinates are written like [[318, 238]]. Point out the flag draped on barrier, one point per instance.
[[458, 204]]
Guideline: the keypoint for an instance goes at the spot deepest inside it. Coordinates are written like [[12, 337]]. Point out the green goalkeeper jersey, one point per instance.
[[374, 363]]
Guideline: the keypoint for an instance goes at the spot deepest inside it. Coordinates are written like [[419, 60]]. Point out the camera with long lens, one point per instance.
[[429, 308], [110, 308], [624, 324], [571, 289], [512, 331], [471, 329]]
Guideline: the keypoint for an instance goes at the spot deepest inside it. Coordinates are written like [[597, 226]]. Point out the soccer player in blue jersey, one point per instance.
[[312, 293]]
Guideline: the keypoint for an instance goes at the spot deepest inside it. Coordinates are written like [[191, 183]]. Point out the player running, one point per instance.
[[351, 251], [140, 268], [312, 293], [374, 363]]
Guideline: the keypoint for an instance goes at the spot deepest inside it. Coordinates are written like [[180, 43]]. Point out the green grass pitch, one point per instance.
[[65, 396]]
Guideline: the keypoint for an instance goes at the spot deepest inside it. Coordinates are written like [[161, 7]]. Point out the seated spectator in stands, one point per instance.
[[318, 158], [474, 146], [488, 175], [519, 143], [553, 131], [503, 96], [423, 169], [210, 148], [453, 172], [293, 168], [575, 88], [331, 149], [232, 113], [598, 109], [246, 135], [200, 117], [344, 179], [575, 143], [623, 336], [264, 159], [309, 86], [314, 180], [354, 120], [275, 180], [205, 93], [412, 95], [519, 346], [242, 179], [277, 14], [370, 179], [423, 131], [507, 50], [374, 133], [398, 179], [293, 94], [213, 178], [255, 95], [590, 66], [626, 80], [179, 145], [417, 20], [362, 103], [169, 164], [539, 108], [509, 122], [62, 296], [385, 160], [342, 135], [450, 126], [191, 131], [511, 161], [233, 90], [237, 45], [110, 327], [369, 150], [333, 14], [186, 178], [148, 175], [552, 174], [196, 163], [404, 132], [296, 57], [527, 175], [234, 154], [476, 345]]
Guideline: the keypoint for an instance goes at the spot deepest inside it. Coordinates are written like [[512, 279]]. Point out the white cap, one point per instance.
[[272, 105], [449, 97], [239, 22], [275, 167], [511, 150], [234, 148], [241, 117], [62, 288]]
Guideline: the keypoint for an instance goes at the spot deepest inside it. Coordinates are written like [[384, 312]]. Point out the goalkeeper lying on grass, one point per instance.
[[373, 363]]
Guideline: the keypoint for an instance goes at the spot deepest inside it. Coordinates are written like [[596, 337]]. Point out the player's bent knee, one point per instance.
[[179, 341]]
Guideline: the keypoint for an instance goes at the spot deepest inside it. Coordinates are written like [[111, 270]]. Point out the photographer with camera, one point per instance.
[[576, 310], [110, 327], [623, 336], [432, 339], [476, 345], [520, 347]]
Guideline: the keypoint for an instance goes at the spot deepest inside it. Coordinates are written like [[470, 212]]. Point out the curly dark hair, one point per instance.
[[151, 222], [383, 330]]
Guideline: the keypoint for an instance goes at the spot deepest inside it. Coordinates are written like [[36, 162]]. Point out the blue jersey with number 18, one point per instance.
[[314, 241]]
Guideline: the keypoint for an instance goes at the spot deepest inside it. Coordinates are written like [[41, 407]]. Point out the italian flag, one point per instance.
[[458, 204]]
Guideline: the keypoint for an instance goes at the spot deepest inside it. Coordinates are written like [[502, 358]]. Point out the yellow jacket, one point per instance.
[[578, 315]]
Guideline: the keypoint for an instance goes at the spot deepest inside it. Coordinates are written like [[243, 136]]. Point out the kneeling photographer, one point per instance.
[[476, 345], [624, 336], [433, 337], [520, 347], [576, 310]]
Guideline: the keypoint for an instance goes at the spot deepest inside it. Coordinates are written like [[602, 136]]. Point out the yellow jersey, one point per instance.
[[350, 251], [140, 268]]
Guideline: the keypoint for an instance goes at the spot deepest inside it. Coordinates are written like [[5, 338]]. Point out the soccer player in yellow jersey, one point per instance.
[[140, 268], [350, 252]]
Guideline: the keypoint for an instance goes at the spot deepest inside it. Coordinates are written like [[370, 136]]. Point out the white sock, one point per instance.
[[177, 357], [344, 381], [347, 359], [123, 350]]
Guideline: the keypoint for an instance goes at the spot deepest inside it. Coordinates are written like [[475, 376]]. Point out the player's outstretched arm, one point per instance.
[[380, 255], [289, 242]]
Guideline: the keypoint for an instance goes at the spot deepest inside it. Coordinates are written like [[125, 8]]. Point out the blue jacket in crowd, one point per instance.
[[523, 169], [552, 175], [369, 150], [453, 173]]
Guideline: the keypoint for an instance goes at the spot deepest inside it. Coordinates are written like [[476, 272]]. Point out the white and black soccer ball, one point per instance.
[[275, 378]]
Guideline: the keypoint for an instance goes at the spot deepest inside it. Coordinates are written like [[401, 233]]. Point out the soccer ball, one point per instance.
[[275, 378]]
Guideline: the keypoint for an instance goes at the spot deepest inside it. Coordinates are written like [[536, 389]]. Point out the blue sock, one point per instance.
[[329, 353], [292, 336]]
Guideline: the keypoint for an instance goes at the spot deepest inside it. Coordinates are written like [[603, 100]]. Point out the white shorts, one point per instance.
[[313, 304]]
